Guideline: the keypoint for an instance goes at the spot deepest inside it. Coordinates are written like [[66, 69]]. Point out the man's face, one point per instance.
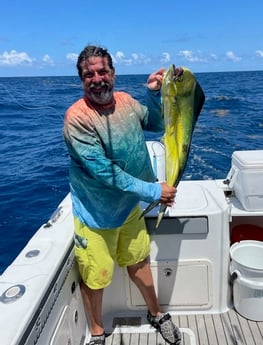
[[98, 80]]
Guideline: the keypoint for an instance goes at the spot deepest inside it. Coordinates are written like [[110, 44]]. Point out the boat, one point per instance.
[[192, 260]]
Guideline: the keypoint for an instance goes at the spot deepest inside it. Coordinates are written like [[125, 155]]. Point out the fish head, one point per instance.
[[185, 82], [188, 88], [171, 77]]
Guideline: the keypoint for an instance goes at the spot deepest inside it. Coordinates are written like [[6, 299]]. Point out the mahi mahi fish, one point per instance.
[[182, 102]]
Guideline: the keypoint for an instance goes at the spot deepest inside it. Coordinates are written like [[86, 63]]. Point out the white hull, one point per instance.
[[40, 296]]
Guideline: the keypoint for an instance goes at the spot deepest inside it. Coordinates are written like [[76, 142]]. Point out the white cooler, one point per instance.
[[246, 178]]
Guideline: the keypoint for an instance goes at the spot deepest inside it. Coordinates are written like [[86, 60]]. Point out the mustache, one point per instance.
[[99, 84]]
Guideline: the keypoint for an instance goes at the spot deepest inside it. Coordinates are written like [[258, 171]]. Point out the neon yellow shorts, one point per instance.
[[97, 250]]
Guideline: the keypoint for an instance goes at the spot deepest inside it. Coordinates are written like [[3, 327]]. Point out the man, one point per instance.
[[110, 172]]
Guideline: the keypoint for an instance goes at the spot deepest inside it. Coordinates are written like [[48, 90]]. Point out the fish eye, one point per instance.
[[180, 78]]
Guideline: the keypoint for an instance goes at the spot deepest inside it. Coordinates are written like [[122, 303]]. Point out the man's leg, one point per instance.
[[93, 303], [134, 246], [141, 275]]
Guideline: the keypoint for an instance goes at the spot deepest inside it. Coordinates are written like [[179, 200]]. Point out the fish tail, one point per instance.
[[160, 215], [149, 208]]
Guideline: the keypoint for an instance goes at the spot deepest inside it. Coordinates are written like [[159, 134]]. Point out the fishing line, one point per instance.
[[13, 98]]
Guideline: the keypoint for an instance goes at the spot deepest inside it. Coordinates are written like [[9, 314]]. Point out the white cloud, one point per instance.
[[47, 60], [120, 58], [231, 56], [213, 56], [72, 57], [190, 56], [136, 58], [210, 59], [259, 53], [166, 57], [14, 58], [120, 55]]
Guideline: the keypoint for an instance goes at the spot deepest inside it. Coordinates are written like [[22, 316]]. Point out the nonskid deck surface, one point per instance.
[[205, 329]]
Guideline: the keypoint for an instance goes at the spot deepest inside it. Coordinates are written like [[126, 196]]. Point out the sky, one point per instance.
[[44, 38]]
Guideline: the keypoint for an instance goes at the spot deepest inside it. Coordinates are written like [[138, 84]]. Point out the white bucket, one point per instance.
[[246, 271]]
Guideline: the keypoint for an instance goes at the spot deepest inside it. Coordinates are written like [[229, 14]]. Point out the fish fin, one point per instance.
[[160, 215], [199, 100], [149, 208]]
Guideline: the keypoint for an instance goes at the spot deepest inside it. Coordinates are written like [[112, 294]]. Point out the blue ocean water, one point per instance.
[[34, 160]]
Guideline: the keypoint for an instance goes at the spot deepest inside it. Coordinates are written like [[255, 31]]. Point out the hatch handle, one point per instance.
[[231, 177]]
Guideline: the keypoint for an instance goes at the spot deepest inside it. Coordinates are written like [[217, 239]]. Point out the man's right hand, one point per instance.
[[168, 194]]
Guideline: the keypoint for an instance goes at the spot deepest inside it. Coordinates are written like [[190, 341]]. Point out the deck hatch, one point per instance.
[[184, 284]]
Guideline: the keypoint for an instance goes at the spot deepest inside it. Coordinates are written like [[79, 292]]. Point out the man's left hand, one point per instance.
[[155, 80]]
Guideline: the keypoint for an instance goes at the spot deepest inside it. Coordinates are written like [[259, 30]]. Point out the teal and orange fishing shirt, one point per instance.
[[110, 169]]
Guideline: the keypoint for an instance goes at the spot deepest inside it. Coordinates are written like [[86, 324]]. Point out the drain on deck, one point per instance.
[[126, 321]]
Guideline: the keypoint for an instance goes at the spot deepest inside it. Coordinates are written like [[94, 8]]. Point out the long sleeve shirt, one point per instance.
[[110, 168]]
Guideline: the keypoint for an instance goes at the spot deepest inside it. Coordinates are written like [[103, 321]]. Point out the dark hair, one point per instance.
[[90, 51]]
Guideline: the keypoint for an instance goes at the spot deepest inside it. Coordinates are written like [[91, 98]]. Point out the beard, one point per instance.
[[101, 93]]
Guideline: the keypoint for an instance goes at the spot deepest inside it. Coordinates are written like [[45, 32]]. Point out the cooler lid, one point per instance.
[[249, 159]]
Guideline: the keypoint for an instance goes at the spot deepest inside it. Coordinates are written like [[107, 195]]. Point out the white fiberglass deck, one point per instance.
[[203, 329]]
